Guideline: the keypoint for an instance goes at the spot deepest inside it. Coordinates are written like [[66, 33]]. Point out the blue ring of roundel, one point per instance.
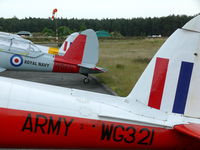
[[20, 59]]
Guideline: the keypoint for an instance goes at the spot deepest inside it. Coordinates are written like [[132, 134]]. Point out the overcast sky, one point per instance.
[[97, 8]]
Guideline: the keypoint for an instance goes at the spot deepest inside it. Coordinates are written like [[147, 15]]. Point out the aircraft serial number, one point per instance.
[[119, 133]]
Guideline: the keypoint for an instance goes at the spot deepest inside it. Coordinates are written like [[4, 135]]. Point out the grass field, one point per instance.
[[125, 60]]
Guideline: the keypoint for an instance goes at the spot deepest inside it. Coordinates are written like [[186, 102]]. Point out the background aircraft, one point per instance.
[[161, 112], [81, 56], [51, 50]]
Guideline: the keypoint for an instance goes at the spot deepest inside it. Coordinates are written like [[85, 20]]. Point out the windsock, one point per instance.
[[53, 14]]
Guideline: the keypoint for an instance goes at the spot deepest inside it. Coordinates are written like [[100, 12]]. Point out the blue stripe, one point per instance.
[[182, 87]]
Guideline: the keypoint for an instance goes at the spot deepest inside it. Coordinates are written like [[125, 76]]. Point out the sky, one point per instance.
[[97, 8]]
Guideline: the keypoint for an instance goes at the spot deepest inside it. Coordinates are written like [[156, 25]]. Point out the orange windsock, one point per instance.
[[55, 10], [53, 13]]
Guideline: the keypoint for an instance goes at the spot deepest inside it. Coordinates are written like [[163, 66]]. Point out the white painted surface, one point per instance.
[[193, 25]]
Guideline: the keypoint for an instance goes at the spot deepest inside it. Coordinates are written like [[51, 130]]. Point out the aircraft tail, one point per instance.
[[84, 52], [171, 81], [67, 43]]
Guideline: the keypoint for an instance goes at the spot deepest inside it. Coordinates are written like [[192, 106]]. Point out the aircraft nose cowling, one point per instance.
[[193, 24]]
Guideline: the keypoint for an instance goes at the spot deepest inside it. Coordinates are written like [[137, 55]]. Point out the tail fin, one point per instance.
[[84, 51], [67, 43], [91, 50], [171, 81]]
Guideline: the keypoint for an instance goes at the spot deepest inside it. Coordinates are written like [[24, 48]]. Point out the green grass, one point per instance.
[[125, 60]]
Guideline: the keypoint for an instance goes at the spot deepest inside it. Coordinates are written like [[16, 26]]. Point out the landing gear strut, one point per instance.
[[86, 80]]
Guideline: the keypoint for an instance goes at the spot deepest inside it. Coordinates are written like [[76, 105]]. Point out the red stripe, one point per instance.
[[158, 82], [69, 62], [25, 129], [75, 52], [65, 46], [65, 68]]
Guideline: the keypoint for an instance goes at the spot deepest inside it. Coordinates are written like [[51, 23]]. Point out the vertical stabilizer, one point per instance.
[[91, 51], [172, 79], [84, 51]]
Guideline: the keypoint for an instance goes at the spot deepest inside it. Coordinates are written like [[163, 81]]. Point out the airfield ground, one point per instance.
[[60, 79], [125, 60]]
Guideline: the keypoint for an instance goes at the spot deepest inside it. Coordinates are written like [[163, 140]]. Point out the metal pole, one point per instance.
[[56, 32]]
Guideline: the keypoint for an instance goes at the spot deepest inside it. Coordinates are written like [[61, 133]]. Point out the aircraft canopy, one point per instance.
[[17, 45]]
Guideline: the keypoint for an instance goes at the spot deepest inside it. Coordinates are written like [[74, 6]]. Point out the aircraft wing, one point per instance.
[[191, 129], [2, 69]]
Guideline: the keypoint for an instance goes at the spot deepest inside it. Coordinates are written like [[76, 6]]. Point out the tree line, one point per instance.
[[127, 27]]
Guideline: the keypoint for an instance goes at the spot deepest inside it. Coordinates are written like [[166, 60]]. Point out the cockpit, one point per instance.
[[17, 45]]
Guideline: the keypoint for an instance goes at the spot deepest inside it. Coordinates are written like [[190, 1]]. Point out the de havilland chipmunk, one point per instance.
[[78, 54], [161, 112], [50, 50]]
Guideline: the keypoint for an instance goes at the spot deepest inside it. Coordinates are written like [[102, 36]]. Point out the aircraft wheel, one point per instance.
[[86, 80]]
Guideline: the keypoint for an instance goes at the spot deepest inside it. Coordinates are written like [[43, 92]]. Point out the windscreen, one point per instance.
[[19, 47]]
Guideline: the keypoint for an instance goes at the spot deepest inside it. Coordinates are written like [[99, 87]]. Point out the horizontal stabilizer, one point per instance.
[[86, 70], [99, 70], [87, 65], [191, 129]]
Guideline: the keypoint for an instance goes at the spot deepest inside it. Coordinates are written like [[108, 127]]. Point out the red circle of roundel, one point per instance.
[[16, 60]]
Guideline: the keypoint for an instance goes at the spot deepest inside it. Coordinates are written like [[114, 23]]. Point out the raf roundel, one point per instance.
[[16, 60]]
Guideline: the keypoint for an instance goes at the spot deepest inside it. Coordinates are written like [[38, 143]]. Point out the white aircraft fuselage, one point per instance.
[[69, 118]]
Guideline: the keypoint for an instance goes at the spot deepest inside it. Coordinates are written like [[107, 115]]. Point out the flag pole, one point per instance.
[[55, 20]]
